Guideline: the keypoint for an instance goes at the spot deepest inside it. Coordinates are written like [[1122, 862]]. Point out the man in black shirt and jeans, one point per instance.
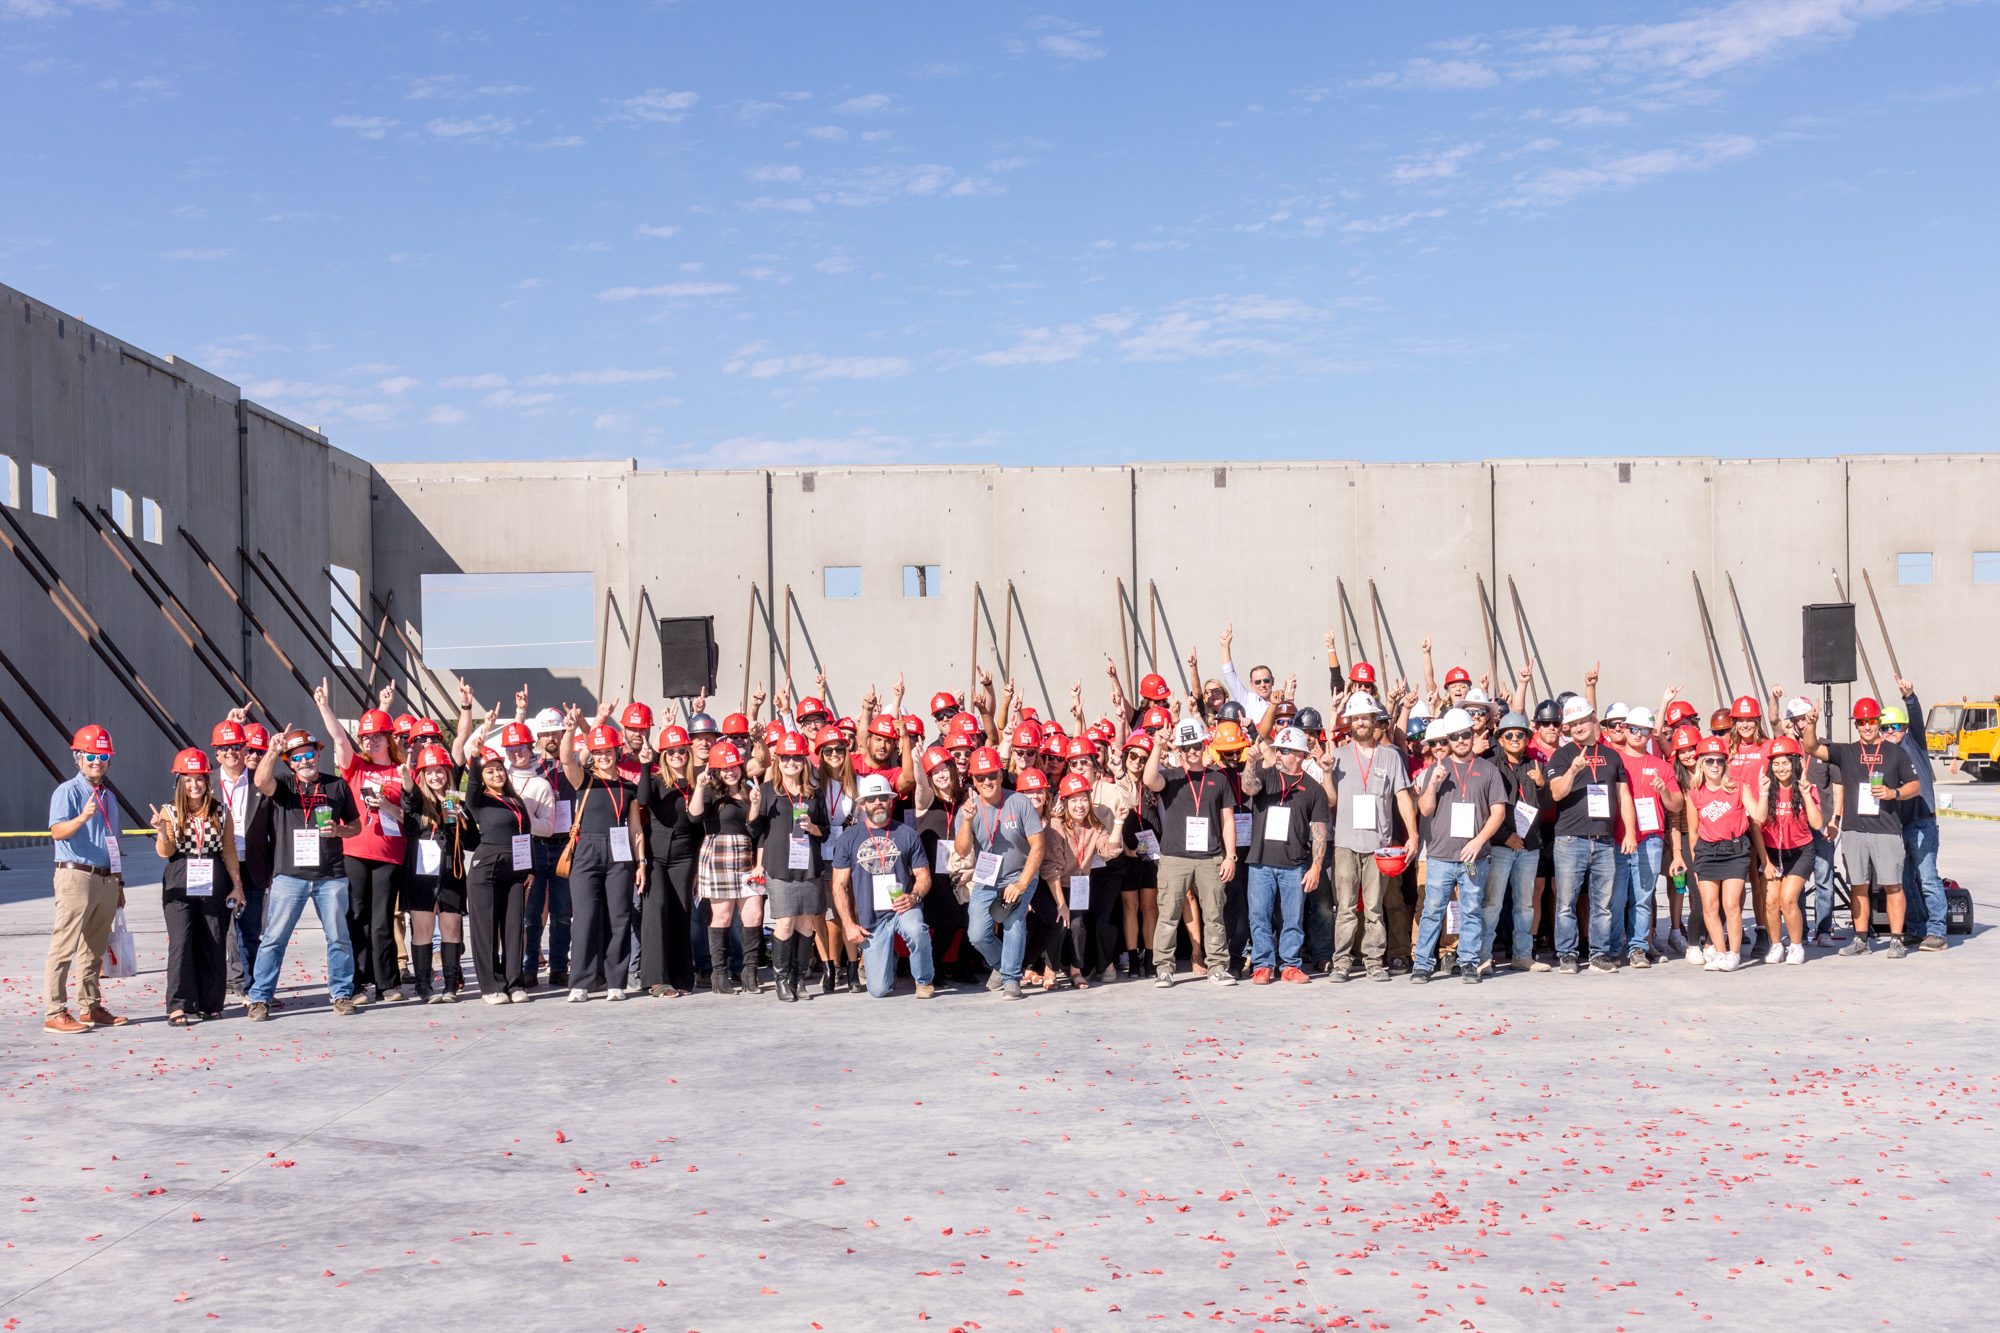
[[1197, 813], [310, 814], [1875, 774], [1288, 830], [1586, 778]]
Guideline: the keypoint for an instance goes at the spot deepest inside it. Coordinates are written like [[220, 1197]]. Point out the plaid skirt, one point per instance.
[[725, 859]]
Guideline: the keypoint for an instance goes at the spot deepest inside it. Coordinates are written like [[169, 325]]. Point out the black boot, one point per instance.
[[781, 970], [850, 976], [801, 961], [453, 974], [747, 978], [718, 952], [420, 967]]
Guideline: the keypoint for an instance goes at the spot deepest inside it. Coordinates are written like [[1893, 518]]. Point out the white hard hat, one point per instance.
[[1475, 695], [1456, 721], [874, 784], [1640, 719], [548, 720], [1800, 706], [1576, 710], [1291, 738], [1421, 708], [1189, 732], [1362, 705], [1618, 712]]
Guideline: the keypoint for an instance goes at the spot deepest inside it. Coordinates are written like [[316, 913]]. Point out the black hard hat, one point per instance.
[[1309, 720], [1548, 710], [1229, 712]]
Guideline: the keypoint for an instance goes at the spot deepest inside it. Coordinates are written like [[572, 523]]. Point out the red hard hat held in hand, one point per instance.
[[190, 761], [636, 715], [93, 739]]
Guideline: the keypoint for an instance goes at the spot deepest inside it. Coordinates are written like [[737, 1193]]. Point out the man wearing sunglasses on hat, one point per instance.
[[880, 880], [1920, 825], [310, 814]]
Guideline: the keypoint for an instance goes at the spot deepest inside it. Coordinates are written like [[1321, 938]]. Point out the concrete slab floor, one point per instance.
[[1655, 1150]]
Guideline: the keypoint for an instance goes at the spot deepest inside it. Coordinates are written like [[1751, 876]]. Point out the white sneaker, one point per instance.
[[517, 996], [1220, 976], [1163, 980], [494, 997], [1795, 953], [1709, 955], [614, 994], [1695, 955], [1728, 962], [1776, 953], [579, 995]]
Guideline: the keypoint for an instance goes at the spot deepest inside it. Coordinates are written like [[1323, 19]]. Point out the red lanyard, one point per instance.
[[1200, 790], [1871, 761], [1458, 779], [997, 812], [514, 808], [1286, 790]]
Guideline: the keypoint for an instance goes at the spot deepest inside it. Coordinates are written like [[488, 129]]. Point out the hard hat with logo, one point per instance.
[[724, 754], [190, 761], [375, 722], [514, 733], [636, 717], [226, 732], [985, 762], [433, 756], [1076, 784], [1153, 687]]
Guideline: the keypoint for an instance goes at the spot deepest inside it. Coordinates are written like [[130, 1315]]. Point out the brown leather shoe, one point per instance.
[[60, 1021], [104, 1018]]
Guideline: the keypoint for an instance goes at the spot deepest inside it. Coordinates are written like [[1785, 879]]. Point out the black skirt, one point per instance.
[[1715, 862]]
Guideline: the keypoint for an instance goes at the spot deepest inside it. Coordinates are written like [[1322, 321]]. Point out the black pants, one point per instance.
[[600, 895], [371, 921], [945, 915], [197, 965], [666, 916], [1100, 937], [496, 903], [1236, 910], [1048, 938]]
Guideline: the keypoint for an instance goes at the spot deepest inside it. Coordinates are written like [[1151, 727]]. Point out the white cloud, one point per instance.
[[371, 414], [490, 380], [523, 401], [1433, 166], [816, 367], [1706, 42], [1046, 346], [1060, 38], [667, 289], [826, 131], [611, 420], [657, 232], [1591, 117], [563, 141], [587, 247], [446, 416], [368, 127], [198, 254], [656, 104], [470, 125], [1562, 184], [796, 205], [1009, 163], [1389, 223], [453, 88], [866, 105], [1447, 75], [836, 263], [610, 375], [398, 384], [188, 211], [773, 173], [1215, 326]]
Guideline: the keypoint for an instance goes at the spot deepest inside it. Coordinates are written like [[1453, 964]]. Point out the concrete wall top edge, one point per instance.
[[278, 419]]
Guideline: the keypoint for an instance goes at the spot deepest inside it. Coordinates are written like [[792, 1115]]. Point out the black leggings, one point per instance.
[[666, 915], [496, 900], [371, 921], [1047, 936], [1096, 931], [600, 896]]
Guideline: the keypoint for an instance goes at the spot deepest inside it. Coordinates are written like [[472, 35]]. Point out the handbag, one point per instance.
[[121, 957], [575, 830]]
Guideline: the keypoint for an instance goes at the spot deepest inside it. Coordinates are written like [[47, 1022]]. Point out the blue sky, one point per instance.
[[709, 234]]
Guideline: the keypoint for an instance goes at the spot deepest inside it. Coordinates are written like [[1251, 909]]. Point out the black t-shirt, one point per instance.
[[1305, 803], [720, 818], [1207, 795], [606, 803], [772, 831], [671, 834], [1856, 762], [1521, 787], [499, 819], [1602, 768], [296, 808]]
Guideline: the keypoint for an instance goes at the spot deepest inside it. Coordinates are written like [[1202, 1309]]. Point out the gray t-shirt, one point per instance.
[[1380, 776], [1006, 831], [1474, 783]]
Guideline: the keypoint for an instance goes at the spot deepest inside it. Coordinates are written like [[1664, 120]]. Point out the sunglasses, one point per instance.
[[878, 800], [301, 756], [1894, 726], [1713, 761], [1614, 726], [833, 749], [1262, 680], [229, 749]]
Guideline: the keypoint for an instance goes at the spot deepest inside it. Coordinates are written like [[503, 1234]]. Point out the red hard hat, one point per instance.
[[226, 733], [828, 735], [636, 715], [1076, 784], [1155, 718], [1865, 710], [933, 757], [404, 722], [374, 722], [734, 725], [1139, 740], [1080, 749], [811, 707], [1027, 736], [774, 731], [190, 761], [672, 738], [1031, 780], [942, 700], [1392, 860], [1102, 730], [985, 760], [1456, 675], [1745, 706], [1785, 745], [846, 724], [1679, 711], [489, 755], [256, 738], [516, 733], [605, 738], [1685, 738], [882, 724], [425, 727], [724, 754], [433, 756], [1712, 745], [93, 739], [1153, 686], [1362, 674], [791, 745], [913, 726], [1056, 744]]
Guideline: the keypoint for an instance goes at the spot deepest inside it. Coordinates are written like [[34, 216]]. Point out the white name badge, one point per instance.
[[200, 877], [392, 827], [987, 871], [1197, 833], [621, 843], [1597, 800], [1314, 771], [1079, 893], [111, 849], [305, 848], [1277, 823], [1647, 810], [1149, 844], [1524, 818], [1362, 806], [886, 889], [237, 817], [1461, 819], [524, 854], [1864, 804], [1242, 830], [563, 816], [430, 857], [941, 861], [800, 857]]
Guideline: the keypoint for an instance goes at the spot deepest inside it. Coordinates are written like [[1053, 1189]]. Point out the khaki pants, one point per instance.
[[1178, 874], [85, 906], [1357, 880]]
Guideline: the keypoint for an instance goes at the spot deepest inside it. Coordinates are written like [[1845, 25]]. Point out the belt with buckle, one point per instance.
[[84, 866]]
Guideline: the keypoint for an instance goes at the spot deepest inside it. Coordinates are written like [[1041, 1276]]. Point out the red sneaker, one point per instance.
[[1293, 974], [1261, 977]]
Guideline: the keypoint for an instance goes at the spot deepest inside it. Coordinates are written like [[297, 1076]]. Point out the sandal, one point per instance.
[[177, 1019], [1078, 980]]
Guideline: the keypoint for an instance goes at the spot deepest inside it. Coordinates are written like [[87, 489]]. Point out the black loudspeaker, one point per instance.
[[688, 656], [1829, 655]]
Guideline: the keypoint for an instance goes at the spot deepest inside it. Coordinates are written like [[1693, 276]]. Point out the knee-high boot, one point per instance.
[[454, 967], [420, 964], [718, 957]]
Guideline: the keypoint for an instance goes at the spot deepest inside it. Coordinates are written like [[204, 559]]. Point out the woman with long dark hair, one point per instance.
[[1787, 842], [603, 850], [197, 838], [673, 845], [496, 882], [438, 835], [725, 802]]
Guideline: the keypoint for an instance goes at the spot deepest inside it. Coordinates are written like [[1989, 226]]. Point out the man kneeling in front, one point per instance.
[[879, 883]]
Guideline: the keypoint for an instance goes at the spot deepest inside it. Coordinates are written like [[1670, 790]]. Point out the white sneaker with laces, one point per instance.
[[1776, 953], [614, 994], [1708, 954], [1713, 961], [579, 995], [1695, 956], [1729, 962], [1795, 953], [494, 997]]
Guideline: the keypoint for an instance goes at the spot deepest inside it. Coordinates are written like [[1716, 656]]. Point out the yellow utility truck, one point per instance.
[[1968, 733]]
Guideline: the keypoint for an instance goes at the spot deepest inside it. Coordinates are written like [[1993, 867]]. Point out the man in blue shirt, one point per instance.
[[89, 885], [1920, 825], [880, 880]]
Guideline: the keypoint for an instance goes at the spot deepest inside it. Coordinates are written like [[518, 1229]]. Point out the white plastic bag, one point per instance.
[[121, 956]]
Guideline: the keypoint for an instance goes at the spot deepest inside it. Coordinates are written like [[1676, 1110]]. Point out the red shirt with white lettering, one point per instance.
[[1648, 806], [1719, 815]]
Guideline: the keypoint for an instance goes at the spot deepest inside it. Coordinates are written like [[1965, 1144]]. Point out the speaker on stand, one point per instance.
[[688, 656], [1829, 649]]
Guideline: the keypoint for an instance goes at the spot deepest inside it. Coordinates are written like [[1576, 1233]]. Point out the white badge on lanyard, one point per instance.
[[563, 817], [1647, 810], [886, 891], [524, 855], [1314, 771], [1149, 844], [1362, 803], [1524, 818], [1079, 893], [801, 857], [392, 827], [111, 850], [200, 876], [1597, 800], [941, 861], [1865, 802], [621, 843], [305, 848], [1243, 830], [987, 871], [1461, 819], [430, 857], [1277, 823], [1197, 833]]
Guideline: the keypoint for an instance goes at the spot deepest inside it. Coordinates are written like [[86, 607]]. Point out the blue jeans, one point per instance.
[[547, 892], [286, 902], [1322, 915], [879, 951], [1633, 901], [249, 930], [1285, 887], [1003, 944], [1508, 868], [1920, 841], [1584, 864], [1440, 878], [1822, 884]]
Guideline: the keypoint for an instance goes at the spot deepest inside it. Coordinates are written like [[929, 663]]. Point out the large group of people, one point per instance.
[[1405, 829]]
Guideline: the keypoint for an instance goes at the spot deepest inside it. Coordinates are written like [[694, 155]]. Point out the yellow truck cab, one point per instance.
[[1968, 732]]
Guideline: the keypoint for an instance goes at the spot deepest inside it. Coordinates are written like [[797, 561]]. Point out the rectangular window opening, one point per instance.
[[923, 580], [345, 618], [842, 581], [1913, 567], [121, 510], [44, 497], [12, 481], [1986, 566], [153, 522], [475, 622]]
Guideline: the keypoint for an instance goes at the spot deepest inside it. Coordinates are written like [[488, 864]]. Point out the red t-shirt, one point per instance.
[[1787, 827], [1719, 815], [1747, 761], [372, 844], [1647, 806]]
